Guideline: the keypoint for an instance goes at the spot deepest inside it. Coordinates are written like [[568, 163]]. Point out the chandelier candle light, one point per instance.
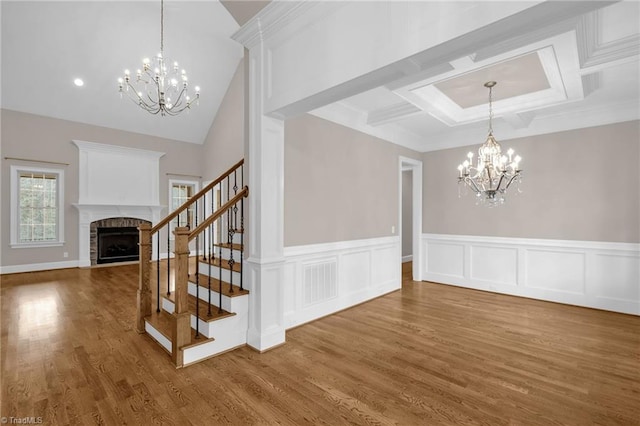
[[159, 87], [494, 172]]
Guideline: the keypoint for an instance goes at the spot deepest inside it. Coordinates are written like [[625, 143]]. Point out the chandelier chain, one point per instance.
[[490, 109]]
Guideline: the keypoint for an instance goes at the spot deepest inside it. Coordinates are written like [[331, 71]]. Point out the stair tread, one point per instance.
[[215, 286], [237, 267], [161, 321], [216, 313]]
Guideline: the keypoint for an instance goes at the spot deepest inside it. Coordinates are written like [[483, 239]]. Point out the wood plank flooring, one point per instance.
[[429, 354]]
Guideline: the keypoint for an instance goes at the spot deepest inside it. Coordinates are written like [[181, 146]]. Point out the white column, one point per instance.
[[265, 165]]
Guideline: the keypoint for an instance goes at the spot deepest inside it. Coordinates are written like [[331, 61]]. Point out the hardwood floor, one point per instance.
[[426, 355]]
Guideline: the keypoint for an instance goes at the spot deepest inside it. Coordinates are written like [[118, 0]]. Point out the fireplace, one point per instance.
[[117, 244], [114, 240]]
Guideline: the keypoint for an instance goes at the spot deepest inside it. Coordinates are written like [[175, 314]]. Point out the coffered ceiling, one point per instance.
[[580, 73]]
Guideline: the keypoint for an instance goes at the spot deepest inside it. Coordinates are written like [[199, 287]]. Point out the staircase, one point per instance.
[[191, 298]]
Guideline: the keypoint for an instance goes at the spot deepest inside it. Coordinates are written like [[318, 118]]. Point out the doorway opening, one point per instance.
[[410, 213]]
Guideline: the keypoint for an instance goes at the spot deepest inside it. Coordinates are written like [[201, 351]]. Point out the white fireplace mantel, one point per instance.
[[115, 181]]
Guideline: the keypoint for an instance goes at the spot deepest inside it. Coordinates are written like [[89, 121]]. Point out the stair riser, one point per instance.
[[158, 336], [226, 253], [229, 304], [226, 339], [203, 269], [237, 238], [237, 305], [215, 299], [226, 329]]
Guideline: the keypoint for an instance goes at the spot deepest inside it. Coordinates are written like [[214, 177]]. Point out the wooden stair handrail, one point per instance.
[[244, 192], [194, 198]]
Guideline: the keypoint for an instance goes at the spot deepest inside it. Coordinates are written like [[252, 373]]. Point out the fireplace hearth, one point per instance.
[[117, 244]]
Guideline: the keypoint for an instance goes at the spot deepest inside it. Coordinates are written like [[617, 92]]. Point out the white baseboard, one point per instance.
[[322, 279], [407, 258], [33, 267], [601, 275]]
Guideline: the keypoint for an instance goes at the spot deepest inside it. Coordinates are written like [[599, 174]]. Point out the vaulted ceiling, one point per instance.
[[47, 44], [582, 72]]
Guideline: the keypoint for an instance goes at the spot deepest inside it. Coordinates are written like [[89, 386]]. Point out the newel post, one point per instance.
[[144, 271], [181, 317]]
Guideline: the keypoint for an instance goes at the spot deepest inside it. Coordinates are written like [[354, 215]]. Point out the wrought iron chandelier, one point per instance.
[[159, 87], [494, 172]]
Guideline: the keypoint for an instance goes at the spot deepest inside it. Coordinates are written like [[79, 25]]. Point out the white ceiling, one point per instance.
[[581, 73], [45, 45]]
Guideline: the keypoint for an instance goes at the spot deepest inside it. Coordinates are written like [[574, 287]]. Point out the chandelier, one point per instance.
[[494, 172], [160, 86]]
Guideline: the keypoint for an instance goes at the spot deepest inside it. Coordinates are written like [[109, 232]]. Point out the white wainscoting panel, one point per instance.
[[321, 279], [602, 275], [488, 264], [556, 270], [446, 258], [355, 269], [615, 276]]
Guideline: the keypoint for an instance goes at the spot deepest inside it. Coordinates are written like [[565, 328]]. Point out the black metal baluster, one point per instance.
[[210, 246], [235, 192], [212, 253], [168, 258], [220, 270], [231, 261], [227, 213], [197, 273], [219, 240], [241, 242], [158, 272], [204, 218]]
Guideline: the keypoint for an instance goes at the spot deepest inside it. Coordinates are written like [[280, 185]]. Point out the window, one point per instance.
[[180, 192], [37, 197]]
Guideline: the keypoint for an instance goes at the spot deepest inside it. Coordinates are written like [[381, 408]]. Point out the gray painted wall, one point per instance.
[[577, 185], [224, 144], [42, 138], [339, 184]]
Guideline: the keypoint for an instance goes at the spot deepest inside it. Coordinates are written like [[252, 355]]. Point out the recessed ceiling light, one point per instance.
[[78, 82]]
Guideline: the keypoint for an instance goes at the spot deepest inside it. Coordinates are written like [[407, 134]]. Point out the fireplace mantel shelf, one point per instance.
[[80, 206]]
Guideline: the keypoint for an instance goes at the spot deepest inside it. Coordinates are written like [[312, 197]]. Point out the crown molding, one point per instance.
[[525, 39], [591, 83], [348, 116], [274, 18], [391, 113], [594, 54], [519, 120], [579, 118], [116, 149]]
